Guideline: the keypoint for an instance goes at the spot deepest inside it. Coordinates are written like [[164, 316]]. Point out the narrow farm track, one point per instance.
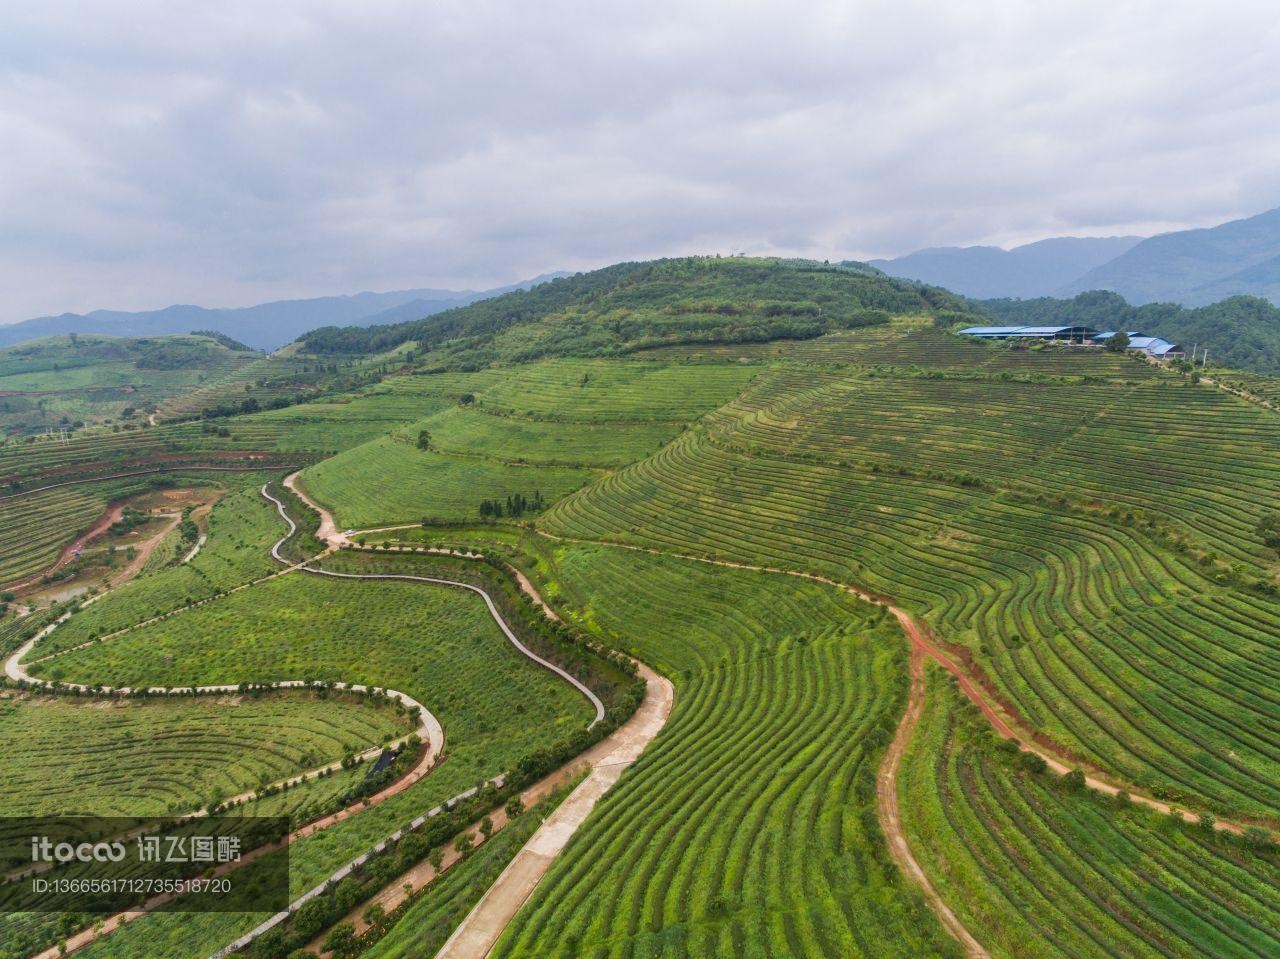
[[622, 743], [109, 516], [891, 820], [328, 532], [923, 645]]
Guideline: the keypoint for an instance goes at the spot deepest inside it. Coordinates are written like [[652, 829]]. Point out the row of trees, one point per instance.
[[512, 507]]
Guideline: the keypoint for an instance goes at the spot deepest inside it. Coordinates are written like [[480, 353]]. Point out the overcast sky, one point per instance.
[[227, 153]]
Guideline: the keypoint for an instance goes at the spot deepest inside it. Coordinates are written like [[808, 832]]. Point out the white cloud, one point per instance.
[[228, 153]]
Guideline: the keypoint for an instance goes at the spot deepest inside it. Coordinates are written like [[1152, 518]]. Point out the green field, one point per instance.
[[146, 758], [1037, 869], [68, 382], [544, 428], [242, 526], [34, 529], [434, 643], [1078, 529], [389, 480], [748, 827]]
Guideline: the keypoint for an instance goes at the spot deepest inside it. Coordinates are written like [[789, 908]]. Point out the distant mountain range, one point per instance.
[[267, 326], [1196, 267], [1190, 267], [988, 272]]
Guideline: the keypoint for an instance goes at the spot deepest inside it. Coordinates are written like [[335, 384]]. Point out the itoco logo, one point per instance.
[[42, 850]]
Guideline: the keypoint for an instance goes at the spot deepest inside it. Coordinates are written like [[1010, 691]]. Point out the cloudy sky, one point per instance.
[[231, 152]]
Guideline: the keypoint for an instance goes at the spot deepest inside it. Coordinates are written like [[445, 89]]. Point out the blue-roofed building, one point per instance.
[[1077, 334]]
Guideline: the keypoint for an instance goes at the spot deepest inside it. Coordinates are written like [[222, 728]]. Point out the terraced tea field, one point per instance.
[[34, 529], [1038, 868], [913, 342], [135, 758], [1101, 573], [748, 827], [242, 528], [371, 632], [67, 382]]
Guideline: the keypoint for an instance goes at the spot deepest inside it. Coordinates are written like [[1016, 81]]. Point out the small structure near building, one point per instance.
[[1155, 346]]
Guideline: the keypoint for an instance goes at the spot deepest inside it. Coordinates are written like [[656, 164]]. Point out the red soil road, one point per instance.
[[144, 548], [627, 737], [110, 515]]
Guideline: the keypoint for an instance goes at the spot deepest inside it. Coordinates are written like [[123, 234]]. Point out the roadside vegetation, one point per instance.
[[1090, 538]]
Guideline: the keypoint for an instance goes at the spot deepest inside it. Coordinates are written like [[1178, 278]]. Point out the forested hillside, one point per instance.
[[636, 306]]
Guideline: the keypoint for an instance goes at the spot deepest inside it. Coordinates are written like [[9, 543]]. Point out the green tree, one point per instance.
[[1118, 343], [1268, 529], [340, 937]]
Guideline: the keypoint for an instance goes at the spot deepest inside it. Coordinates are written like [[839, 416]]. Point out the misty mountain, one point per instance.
[[266, 326], [1195, 267], [986, 272]]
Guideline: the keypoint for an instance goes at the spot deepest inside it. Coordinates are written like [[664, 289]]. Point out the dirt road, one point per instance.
[[625, 738], [328, 532], [110, 515], [891, 819]]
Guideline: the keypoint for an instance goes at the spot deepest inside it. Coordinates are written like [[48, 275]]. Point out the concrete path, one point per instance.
[[607, 761]]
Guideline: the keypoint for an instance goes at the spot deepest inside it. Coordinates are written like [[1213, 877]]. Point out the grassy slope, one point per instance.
[[585, 414], [60, 381], [433, 643]]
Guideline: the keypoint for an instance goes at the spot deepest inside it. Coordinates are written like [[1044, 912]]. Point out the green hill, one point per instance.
[[637, 306]]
